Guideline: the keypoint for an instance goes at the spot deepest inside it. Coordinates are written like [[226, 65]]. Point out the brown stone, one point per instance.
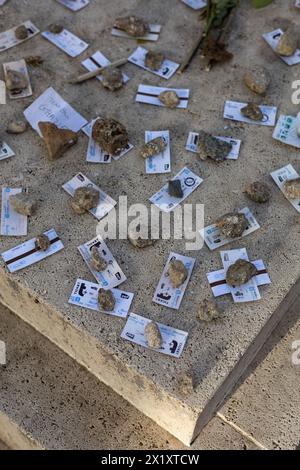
[[97, 261], [252, 111], [55, 28], [257, 79], [240, 272], [34, 60], [42, 242], [258, 192], [112, 78], [23, 203], [138, 241], [287, 45], [154, 147], [21, 32], [211, 147], [153, 335], [85, 199], [16, 127], [291, 188], [57, 140], [208, 310], [110, 135], [15, 81], [177, 273], [106, 300], [232, 225], [132, 25], [169, 98], [154, 60]]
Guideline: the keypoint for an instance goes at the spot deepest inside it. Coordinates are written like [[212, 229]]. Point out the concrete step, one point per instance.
[[217, 352], [48, 401]]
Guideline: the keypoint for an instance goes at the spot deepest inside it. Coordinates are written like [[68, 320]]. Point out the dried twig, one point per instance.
[[94, 73]]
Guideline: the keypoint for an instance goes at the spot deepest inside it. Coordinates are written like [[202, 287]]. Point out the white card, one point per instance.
[[165, 293], [217, 279], [2, 92], [27, 254], [99, 60], [74, 5], [189, 182], [192, 145], [284, 174], [5, 151], [153, 34], [232, 111], [286, 131], [166, 71], [95, 154], [173, 340], [273, 38], [12, 223], [247, 292], [149, 95], [8, 38], [85, 294], [195, 4], [18, 66], [214, 238], [113, 275], [67, 42], [160, 163], [50, 106], [106, 203]]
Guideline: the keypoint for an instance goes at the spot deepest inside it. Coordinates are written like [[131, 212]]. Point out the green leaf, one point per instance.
[[261, 3]]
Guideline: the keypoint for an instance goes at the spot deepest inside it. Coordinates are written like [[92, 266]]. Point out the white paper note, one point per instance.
[[192, 145], [99, 60], [173, 340], [74, 5], [282, 175], [67, 42], [189, 182], [273, 38], [5, 151], [2, 92], [18, 66], [85, 294], [195, 4], [232, 111], [12, 223], [167, 69], [8, 38], [113, 275], [149, 95], [286, 131], [160, 163], [153, 34]]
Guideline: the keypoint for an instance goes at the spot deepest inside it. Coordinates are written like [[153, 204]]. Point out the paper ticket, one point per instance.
[[85, 294], [282, 175], [2, 92], [113, 275], [18, 66], [273, 39], [27, 254], [232, 111], [12, 223], [50, 106], [173, 340], [67, 42], [195, 4], [286, 131], [247, 292], [5, 151], [160, 163], [166, 71], [95, 154], [99, 60], [74, 5], [153, 34], [192, 145], [189, 182], [106, 203], [165, 293], [8, 38], [214, 238], [149, 95]]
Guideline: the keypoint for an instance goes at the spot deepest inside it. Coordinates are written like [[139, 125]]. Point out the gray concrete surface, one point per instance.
[[48, 401], [39, 294]]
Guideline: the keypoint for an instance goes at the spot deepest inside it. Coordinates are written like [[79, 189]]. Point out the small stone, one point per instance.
[[133, 26], [153, 335], [154, 60], [169, 98], [106, 300], [154, 147], [34, 60], [211, 147], [175, 189], [138, 241], [57, 140], [291, 188], [15, 81], [232, 225], [257, 79], [287, 45], [258, 192], [110, 135], [42, 242], [177, 273], [112, 78], [186, 383], [21, 32], [240, 272], [85, 199], [16, 127], [23, 203], [55, 28], [252, 111], [208, 310], [97, 262]]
